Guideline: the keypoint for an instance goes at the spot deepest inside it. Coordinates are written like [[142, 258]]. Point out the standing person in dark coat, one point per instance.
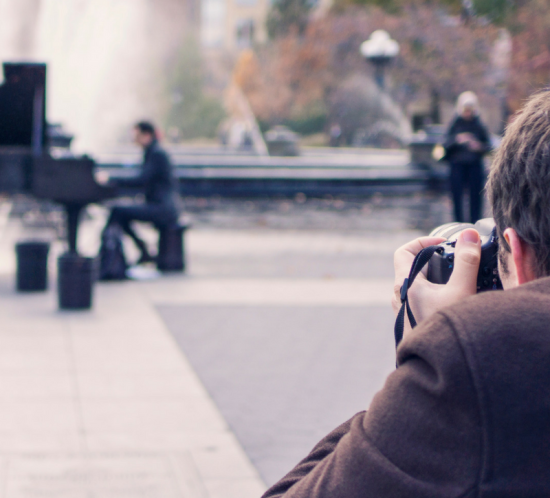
[[466, 143], [157, 183]]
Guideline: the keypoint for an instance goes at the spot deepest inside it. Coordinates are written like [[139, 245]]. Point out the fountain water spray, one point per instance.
[[106, 59]]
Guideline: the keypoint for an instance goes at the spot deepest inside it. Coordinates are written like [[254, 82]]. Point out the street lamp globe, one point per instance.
[[380, 50]]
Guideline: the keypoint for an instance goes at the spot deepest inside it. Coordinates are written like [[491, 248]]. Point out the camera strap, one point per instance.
[[419, 262]]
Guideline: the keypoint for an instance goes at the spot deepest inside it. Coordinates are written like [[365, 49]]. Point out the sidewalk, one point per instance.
[[103, 403]]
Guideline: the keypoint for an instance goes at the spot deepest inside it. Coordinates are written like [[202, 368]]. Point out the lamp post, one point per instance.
[[379, 50]]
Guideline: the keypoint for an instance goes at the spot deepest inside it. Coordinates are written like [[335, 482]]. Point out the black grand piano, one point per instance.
[[25, 163]]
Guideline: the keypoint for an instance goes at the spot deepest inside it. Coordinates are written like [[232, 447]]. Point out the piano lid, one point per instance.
[[23, 105]]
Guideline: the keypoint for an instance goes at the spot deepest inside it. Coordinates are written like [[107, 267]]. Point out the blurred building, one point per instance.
[[245, 23], [234, 25]]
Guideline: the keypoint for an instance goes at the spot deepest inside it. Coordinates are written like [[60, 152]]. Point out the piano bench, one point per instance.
[[171, 250]]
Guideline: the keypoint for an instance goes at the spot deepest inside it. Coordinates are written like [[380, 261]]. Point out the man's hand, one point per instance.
[[463, 138], [426, 297], [475, 145], [102, 177]]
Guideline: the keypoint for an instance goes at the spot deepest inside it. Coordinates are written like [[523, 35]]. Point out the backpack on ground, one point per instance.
[[112, 263]]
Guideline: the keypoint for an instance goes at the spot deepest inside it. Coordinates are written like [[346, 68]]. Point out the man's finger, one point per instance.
[[403, 260], [466, 263], [404, 256]]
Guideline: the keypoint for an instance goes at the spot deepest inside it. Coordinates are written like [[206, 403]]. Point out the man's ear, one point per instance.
[[523, 256]]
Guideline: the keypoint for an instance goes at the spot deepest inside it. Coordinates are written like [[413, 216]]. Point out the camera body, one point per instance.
[[441, 263]]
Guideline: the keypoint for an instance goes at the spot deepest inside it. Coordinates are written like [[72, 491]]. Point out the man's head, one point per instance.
[[519, 191], [144, 133]]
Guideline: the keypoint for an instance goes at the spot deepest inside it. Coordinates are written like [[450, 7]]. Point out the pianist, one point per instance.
[[157, 184]]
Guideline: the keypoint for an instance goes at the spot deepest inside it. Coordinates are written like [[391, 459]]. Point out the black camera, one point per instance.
[[441, 263]]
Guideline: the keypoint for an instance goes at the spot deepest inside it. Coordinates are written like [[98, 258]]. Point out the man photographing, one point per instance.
[[157, 183], [467, 411]]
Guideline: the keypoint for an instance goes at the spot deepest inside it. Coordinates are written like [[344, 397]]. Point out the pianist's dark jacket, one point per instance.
[[466, 414], [156, 177]]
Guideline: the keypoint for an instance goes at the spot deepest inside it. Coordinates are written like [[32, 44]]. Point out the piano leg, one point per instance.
[[73, 215]]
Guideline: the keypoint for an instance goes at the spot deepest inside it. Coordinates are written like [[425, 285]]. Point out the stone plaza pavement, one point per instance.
[[104, 403]]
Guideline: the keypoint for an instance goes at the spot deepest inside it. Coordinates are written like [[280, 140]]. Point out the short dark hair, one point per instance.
[[519, 183], [146, 127]]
